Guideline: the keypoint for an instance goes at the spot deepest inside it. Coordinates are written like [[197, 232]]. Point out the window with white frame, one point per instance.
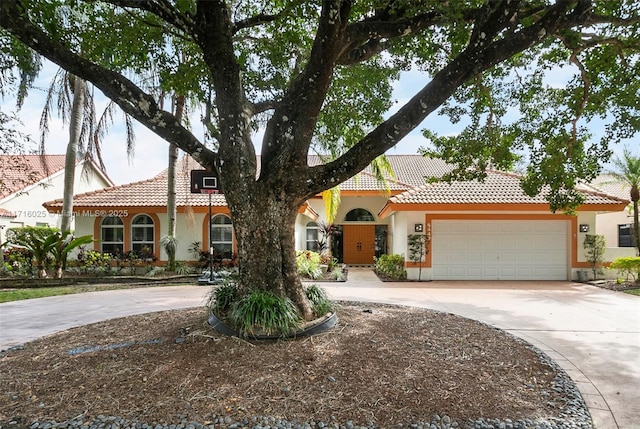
[[222, 237], [112, 235], [142, 235], [312, 236]]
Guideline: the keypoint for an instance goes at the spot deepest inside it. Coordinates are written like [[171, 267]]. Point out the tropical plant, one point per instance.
[[595, 246], [326, 231], [169, 243], [76, 105], [301, 69], [627, 172], [39, 241], [417, 250], [64, 243], [308, 264]]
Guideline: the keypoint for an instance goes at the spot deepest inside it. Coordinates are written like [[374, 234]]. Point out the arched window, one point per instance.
[[142, 236], [359, 215], [112, 235], [312, 236], [222, 237]]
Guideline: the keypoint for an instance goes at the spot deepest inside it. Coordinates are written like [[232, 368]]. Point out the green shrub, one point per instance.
[[262, 312], [308, 264], [183, 268], [320, 303], [628, 267], [17, 262], [391, 266], [95, 262]]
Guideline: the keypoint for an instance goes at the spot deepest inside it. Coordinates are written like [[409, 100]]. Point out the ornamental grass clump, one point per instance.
[[320, 303], [222, 297], [262, 312]]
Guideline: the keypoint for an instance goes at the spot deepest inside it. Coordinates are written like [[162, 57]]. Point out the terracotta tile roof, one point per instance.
[[145, 193], [18, 172], [497, 188], [409, 170], [608, 185], [414, 169], [366, 181]]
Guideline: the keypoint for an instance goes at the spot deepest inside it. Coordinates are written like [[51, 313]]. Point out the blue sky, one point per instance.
[[150, 155]]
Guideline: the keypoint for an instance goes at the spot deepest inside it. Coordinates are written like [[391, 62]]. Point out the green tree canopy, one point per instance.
[[318, 76]]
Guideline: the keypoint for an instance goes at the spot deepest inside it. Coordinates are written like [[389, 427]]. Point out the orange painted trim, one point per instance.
[[206, 231], [390, 208], [573, 221], [126, 224], [156, 232]]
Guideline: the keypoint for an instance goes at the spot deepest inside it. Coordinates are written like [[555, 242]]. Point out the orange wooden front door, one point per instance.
[[359, 244]]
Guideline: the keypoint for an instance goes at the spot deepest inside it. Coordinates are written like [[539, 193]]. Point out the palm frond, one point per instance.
[[331, 198], [382, 170]]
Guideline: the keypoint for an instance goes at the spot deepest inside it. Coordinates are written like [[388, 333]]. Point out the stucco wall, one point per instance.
[[27, 205]]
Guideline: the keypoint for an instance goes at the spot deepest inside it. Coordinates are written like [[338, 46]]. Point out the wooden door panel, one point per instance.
[[359, 244]]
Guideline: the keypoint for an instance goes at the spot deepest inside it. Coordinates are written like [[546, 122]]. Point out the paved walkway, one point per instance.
[[594, 334]]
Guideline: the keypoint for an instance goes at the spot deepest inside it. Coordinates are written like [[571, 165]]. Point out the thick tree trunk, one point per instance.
[[265, 232]]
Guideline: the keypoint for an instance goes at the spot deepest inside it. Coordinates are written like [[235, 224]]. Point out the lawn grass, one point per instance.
[[19, 294], [31, 293], [633, 292]]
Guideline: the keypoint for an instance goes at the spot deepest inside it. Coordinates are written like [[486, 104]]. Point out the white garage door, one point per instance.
[[499, 250]]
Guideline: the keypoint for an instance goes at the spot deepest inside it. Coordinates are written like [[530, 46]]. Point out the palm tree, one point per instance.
[[75, 104], [627, 172], [169, 241]]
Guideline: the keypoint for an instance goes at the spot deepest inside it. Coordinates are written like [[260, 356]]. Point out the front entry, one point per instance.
[[359, 244]]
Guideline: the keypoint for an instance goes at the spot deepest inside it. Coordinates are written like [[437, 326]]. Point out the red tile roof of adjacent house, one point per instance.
[[609, 185], [18, 172], [409, 185], [6, 213]]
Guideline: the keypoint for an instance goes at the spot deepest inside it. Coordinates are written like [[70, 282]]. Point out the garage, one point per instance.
[[499, 249]]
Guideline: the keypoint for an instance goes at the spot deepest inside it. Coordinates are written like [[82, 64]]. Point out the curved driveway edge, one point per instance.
[[592, 333]]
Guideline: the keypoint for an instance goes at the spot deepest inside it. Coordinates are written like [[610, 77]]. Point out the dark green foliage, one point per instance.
[[222, 297], [417, 249], [594, 246]]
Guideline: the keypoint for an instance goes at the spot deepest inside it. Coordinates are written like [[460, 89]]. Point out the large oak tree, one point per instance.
[[318, 76]]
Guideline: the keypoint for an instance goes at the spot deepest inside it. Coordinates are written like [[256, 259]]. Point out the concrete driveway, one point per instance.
[[594, 334]]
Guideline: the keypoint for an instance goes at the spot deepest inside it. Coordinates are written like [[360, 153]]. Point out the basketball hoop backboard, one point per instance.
[[204, 182]]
